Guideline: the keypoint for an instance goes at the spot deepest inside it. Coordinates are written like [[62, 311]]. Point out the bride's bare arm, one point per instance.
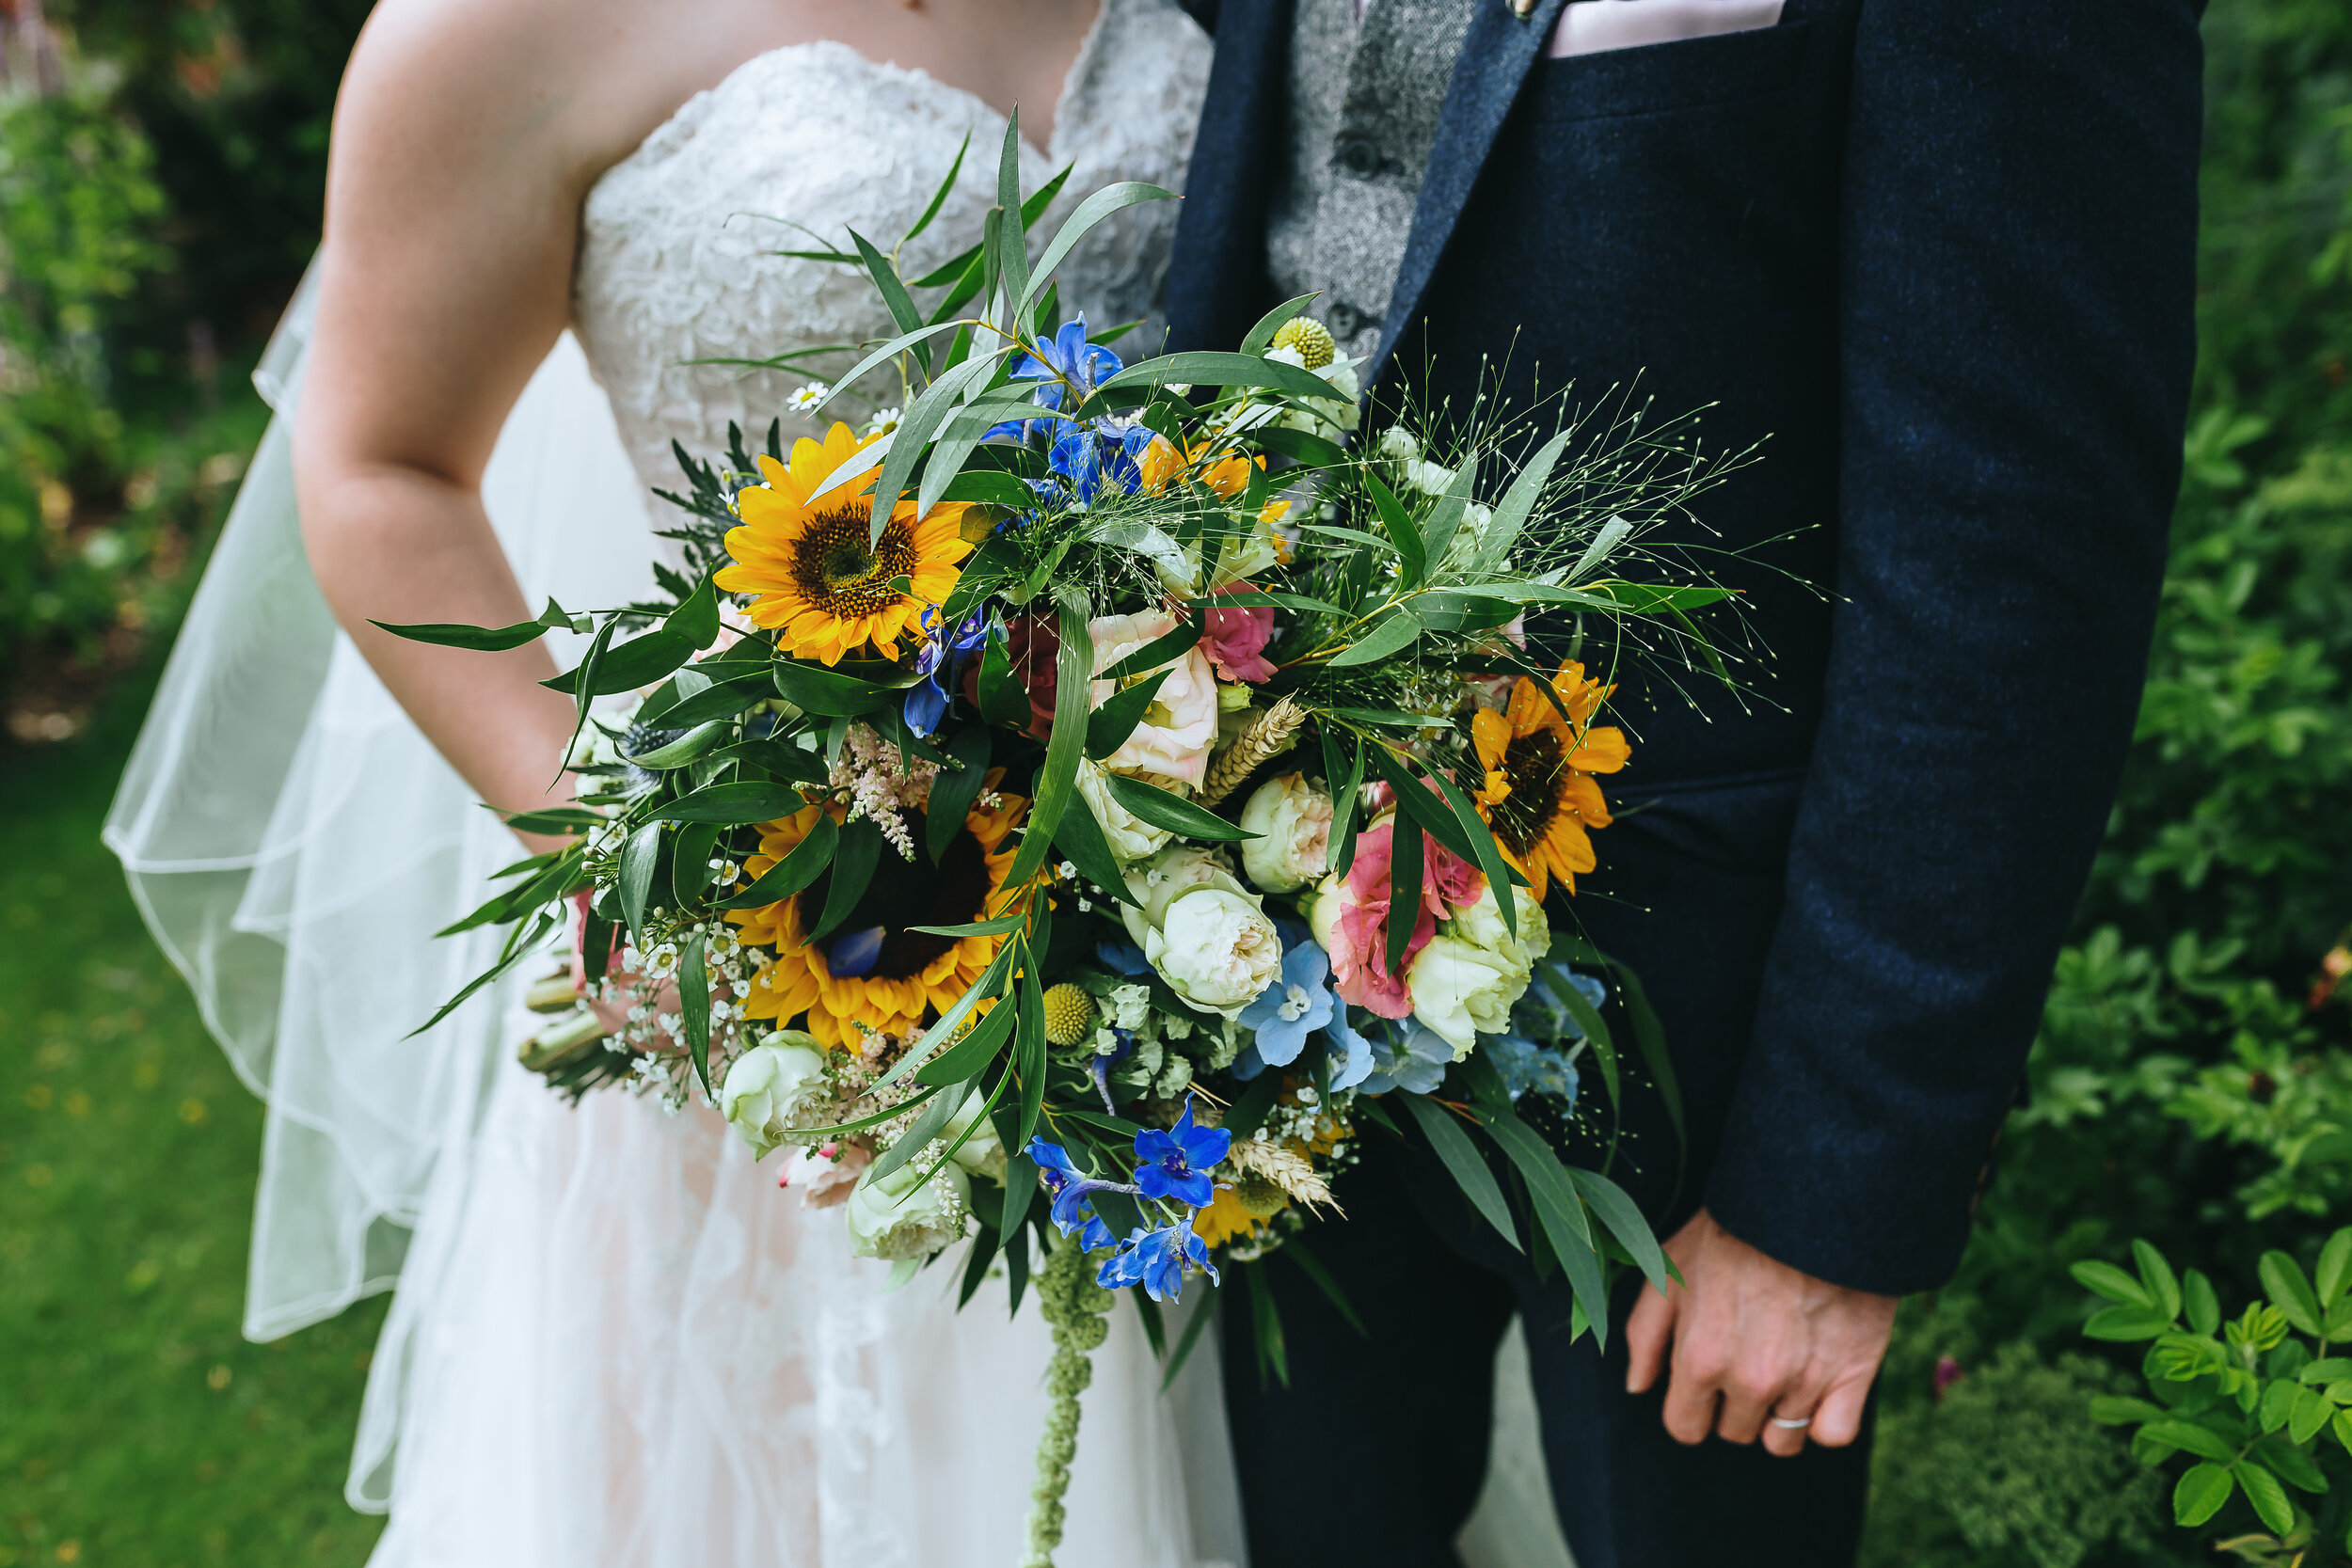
[[460, 156]]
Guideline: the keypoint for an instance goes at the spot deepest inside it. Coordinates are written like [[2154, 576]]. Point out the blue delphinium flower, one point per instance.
[[1124, 957], [939, 662], [1066, 361], [1085, 461], [1414, 1060], [1175, 1164], [1158, 1260], [1298, 1002], [1070, 1188]]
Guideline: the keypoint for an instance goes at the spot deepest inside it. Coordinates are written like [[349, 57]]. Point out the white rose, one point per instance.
[[1460, 988], [983, 1152], [1481, 925], [1157, 882], [1130, 836], [1204, 932], [1293, 816], [891, 1220], [776, 1087], [1215, 949], [1430, 479]]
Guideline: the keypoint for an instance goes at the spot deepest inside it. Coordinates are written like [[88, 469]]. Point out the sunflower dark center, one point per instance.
[[1536, 769], [834, 569], [910, 893]]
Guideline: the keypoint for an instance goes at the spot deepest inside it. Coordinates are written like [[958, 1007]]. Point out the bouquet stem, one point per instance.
[[1076, 1309]]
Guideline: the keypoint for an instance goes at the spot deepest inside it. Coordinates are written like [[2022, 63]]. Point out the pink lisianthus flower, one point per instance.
[[1180, 726], [1235, 638], [1359, 933]]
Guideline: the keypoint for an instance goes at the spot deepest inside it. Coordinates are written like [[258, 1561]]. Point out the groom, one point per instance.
[[1937, 256]]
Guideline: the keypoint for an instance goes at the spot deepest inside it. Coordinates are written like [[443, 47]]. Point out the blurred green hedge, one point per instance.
[[158, 200]]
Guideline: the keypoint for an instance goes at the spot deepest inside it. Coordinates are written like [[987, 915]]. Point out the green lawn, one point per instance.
[[138, 1427]]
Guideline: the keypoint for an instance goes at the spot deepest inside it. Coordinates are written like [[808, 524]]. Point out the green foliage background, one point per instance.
[[155, 216]]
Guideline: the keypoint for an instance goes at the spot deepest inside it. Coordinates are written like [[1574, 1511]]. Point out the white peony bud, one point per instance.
[[1130, 837]]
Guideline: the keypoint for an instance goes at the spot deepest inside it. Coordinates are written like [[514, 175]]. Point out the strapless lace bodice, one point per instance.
[[679, 241]]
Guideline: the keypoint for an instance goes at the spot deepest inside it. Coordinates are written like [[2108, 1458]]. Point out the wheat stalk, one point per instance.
[[1283, 1165], [1266, 736]]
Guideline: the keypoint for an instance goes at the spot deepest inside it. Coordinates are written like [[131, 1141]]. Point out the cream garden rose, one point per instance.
[[776, 1088], [1460, 988], [1180, 726], [1292, 815], [1207, 935]]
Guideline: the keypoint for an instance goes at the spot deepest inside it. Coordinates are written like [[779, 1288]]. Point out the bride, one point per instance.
[[614, 1340]]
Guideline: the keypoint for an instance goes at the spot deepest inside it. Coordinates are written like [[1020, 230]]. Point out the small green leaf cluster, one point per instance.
[[2255, 1400]]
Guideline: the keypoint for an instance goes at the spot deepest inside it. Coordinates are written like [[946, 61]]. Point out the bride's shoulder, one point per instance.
[[573, 84]]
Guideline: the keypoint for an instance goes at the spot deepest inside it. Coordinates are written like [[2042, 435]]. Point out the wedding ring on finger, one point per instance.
[[1792, 1423]]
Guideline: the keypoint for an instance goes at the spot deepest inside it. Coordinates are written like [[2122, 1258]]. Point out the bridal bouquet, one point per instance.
[[1064, 816]]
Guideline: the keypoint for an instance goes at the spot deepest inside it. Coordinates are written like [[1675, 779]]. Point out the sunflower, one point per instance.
[[901, 972], [1539, 795], [815, 575]]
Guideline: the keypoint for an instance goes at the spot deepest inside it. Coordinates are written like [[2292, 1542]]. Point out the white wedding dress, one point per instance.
[[614, 1343]]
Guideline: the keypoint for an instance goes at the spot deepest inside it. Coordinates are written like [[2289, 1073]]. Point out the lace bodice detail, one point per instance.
[[679, 241]]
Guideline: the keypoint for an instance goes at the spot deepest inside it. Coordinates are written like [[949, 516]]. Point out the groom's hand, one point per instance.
[[1751, 1338]]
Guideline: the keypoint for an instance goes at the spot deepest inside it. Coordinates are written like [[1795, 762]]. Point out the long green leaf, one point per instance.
[[1608, 1203], [1057, 780], [1109, 726], [954, 791], [888, 352], [1079, 836], [1162, 809], [1518, 502], [638, 857], [939, 196], [926, 1127], [1402, 533], [1028, 1047], [894, 294], [627, 666], [694, 999], [1094, 210], [854, 857], [1208, 368], [1488, 852], [968, 1055], [739, 803], [1261, 336], [814, 689], [989, 984], [446, 634], [916, 427], [1557, 1208], [1461, 1160], [801, 866], [1405, 880], [1437, 532]]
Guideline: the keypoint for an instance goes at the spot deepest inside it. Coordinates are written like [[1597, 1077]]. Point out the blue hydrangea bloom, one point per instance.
[[1413, 1059], [1351, 1054], [1527, 1067], [1158, 1260], [1296, 1004], [1175, 1164]]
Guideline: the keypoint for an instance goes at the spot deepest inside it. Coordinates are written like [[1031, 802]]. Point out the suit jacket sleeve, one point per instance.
[[2016, 284]]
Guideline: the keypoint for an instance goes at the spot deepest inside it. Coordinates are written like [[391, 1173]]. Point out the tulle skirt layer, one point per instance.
[[632, 1350]]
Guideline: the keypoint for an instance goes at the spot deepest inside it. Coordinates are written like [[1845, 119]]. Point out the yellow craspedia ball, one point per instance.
[[1068, 1012], [1311, 338]]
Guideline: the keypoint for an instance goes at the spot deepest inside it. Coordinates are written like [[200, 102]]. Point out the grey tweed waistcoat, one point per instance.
[[1365, 94]]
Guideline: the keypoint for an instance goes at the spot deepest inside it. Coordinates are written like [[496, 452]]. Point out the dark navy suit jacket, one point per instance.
[[1938, 256]]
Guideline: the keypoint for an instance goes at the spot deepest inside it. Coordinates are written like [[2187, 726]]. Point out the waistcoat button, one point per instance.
[[1359, 157], [1343, 319]]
